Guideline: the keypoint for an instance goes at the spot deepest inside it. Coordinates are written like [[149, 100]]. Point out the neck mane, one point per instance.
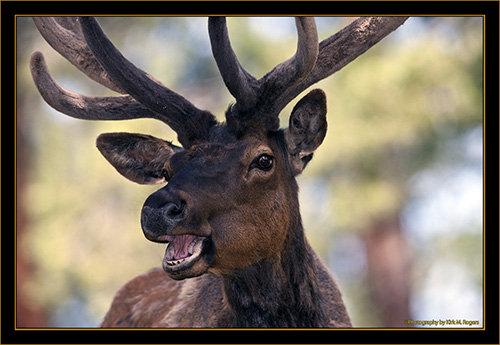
[[280, 291]]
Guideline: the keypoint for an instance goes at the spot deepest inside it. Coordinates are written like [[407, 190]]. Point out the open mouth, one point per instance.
[[183, 252], [182, 248]]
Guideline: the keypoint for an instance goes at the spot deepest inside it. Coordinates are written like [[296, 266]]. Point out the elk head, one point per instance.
[[231, 196], [227, 203]]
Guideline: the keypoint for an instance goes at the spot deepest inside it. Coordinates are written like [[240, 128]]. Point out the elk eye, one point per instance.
[[265, 162]]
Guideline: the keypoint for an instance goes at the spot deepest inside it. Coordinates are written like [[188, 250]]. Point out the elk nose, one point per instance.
[[170, 213], [161, 213]]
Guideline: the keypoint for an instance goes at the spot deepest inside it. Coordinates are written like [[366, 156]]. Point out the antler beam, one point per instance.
[[85, 45], [239, 82], [82, 107]]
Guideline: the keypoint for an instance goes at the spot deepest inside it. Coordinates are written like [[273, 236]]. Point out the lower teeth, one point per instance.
[[193, 249], [175, 262]]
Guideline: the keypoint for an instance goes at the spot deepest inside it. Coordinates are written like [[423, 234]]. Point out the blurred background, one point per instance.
[[392, 201]]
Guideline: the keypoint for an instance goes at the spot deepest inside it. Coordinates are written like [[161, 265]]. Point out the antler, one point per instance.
[[82, 42], [65, 36], [311, 63], [88, 48], [83, 107], [238, 81], [340, 49]]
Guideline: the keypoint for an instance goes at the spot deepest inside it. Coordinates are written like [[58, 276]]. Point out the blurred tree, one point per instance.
[[391, 112], [27, 314]]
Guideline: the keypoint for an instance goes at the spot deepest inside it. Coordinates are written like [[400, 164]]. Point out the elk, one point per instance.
[[236, 253]]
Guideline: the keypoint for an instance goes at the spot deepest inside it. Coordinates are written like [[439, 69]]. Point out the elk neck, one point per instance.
[[279, 291]]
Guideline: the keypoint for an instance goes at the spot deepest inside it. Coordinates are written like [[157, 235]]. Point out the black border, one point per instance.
[[490, 334]]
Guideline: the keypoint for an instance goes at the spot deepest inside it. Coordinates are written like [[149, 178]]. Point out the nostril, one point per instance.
[[173, 210]]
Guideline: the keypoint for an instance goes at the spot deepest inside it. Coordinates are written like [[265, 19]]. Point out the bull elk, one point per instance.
[[229, 213]]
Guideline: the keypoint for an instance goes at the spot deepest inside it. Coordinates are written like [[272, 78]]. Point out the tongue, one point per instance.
[[178, 248]]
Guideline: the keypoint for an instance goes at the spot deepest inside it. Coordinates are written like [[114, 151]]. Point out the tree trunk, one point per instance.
[[27, 314], [389, 267]]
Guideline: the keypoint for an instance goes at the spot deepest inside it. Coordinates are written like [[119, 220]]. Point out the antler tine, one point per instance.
[[239, 82], [340, 49], [274, 85], [83, 107], [188, 121], [65, 36], [281, 80]]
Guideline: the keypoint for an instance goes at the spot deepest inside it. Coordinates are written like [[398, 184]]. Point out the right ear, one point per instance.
[[140, 158], [307, 129]]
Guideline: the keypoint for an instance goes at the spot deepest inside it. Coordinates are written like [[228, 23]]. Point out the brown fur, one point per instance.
[[154, 300]]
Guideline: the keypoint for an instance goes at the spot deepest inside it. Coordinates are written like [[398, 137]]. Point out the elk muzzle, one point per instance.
[[166, 218]]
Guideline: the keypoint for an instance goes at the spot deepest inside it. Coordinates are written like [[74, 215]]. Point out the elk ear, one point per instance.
[[307, 129], [140, 158]]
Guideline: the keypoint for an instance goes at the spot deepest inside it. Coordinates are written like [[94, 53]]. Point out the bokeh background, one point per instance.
[[392, 201]]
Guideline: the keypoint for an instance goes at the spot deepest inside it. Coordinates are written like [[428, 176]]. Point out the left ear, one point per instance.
[[307, 129], [140, 158]]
